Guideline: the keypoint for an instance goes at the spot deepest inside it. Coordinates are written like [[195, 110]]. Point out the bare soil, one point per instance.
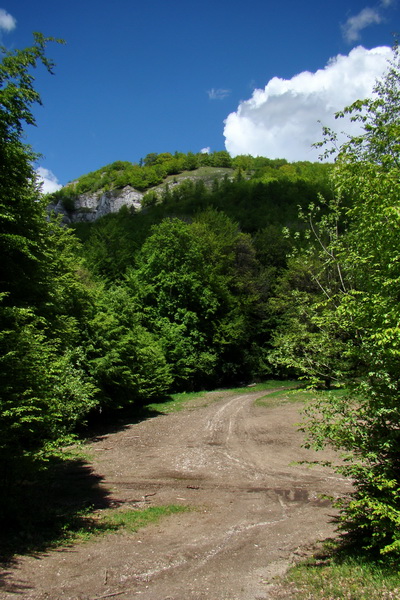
[[254, 511]]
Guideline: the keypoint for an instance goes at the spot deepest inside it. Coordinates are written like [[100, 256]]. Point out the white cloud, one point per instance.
[[218, 94], [353, 26], [366, 17], [205, 150], [7, 21], [284, 119], [47, 180]]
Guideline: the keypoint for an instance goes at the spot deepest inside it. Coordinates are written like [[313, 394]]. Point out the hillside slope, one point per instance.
[[124, 184], [93, 204]]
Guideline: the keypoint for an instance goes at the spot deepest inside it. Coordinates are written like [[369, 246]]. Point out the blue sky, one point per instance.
[[250, 77]]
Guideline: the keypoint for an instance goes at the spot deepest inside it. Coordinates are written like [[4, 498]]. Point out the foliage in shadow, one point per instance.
[[109, 420], [44, 505], [41, 507]]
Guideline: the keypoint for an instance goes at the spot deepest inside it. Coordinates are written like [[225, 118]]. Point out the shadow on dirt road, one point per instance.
[[253, 509], [37, 510]]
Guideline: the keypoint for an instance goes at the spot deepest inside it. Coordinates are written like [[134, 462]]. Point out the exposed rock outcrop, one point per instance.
[[93, 205]]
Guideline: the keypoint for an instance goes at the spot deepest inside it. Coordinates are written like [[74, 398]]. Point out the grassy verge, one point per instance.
[[293, 395], [337, 577], [270, 384], [175, 402]]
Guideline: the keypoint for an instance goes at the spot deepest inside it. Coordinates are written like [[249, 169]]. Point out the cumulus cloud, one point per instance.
[[284, 119], [205, 150], [48, 181], [218, 94], [7, 21]]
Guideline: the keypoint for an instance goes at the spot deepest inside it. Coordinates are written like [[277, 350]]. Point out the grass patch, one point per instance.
[[205, 173], [271, 384], [111, 520], [293, 396], [285, 397], [175, 402], [132, 520], [335, 577]]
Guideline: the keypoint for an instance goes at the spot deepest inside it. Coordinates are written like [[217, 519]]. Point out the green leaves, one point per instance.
[[45, 388], [357, 312], [196, 285], [126, 360], [17, 93]]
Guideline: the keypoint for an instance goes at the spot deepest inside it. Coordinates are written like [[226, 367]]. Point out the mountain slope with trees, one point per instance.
[[274, 269], [129, 315]]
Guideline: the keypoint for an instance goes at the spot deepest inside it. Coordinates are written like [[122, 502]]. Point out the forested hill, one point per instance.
[[260, 271], [172, 297], [259, 195], [159, 178]]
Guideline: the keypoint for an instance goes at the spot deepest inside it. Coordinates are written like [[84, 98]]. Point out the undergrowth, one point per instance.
[[295, 394], [339, 575]]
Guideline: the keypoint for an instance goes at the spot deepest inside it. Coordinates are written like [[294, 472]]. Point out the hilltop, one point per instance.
[[154, 178]]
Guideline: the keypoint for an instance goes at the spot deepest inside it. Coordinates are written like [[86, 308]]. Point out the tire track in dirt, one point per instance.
[[253, 510]]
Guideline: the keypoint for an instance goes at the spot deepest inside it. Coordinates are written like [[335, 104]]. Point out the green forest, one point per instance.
[[264, 269]]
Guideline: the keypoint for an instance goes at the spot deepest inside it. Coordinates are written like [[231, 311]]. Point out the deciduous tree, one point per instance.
[[364, 311]]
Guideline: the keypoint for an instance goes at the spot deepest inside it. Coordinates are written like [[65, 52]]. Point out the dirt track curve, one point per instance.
[[254, 510]]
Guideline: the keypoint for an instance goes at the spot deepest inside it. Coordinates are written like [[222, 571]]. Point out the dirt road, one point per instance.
[[254, 511]]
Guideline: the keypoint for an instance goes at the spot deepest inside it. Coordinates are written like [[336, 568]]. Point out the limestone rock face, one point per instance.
[[93, 205]]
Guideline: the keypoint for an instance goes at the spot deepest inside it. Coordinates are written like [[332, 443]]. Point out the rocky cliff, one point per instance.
[[93, 205]]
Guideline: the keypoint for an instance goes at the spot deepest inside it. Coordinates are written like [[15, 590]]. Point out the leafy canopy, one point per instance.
[[351, 309]]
